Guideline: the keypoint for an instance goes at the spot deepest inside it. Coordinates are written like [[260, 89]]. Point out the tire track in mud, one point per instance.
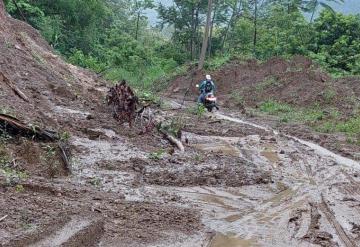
[[347, 240], [344, 237], [317, 148]]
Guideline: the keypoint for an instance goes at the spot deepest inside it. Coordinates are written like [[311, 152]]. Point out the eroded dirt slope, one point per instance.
[[298, 82], [237, 184]]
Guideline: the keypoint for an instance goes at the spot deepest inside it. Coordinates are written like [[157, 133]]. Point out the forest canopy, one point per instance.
[[113, 36]]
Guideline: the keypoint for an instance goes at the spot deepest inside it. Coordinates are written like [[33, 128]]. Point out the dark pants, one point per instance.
[[201, 98]]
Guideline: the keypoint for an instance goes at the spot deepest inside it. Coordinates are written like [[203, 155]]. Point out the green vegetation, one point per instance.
[[198, 110], [157, 155], [173, 126], [12, 175], [113, 38], [237, 98], [322, 120], [268, 82], [64, 136]]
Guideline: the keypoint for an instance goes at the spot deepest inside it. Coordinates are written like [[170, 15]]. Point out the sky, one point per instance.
[[349, 7]]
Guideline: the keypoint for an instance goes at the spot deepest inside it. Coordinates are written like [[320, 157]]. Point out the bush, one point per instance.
[[273, 107]]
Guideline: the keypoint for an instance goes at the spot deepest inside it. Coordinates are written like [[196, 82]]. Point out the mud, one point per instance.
[[240, 182]]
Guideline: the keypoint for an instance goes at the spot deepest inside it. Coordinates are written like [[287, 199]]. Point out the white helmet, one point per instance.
[[208, 77]]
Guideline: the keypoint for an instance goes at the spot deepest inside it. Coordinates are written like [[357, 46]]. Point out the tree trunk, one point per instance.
[[192, 33], [137, 26], [211, 30], [314, 10], [196, 49], [255, 25], [206, 36], [236, 11]]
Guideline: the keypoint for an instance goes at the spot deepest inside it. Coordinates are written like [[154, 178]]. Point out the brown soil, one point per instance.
[[126, 189], [298, 82]]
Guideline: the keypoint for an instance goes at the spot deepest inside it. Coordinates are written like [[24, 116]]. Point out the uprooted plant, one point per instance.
[[124, 105]]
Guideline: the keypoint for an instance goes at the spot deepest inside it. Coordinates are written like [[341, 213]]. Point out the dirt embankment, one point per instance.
[[41, 202], [130, 190], [299, 82]]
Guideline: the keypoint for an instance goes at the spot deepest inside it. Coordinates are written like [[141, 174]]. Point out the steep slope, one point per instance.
[[299, 82], [49, 84]]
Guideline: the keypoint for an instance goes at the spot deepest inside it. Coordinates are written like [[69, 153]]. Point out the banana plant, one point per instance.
[[313, 5]]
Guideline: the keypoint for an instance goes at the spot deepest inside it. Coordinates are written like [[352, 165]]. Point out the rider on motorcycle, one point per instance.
[[206, 86]]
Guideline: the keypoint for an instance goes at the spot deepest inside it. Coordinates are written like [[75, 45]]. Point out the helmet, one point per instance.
[[208, 77]]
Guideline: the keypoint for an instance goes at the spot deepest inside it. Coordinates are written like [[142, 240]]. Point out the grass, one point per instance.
[[174, 126], [329, 95], [237, 98], [12, 175], [64, 136], [217, 62], [198, 110], [149, 79], [321, 120], [157, 155], [7, 111], [275, 108], [267, 83]]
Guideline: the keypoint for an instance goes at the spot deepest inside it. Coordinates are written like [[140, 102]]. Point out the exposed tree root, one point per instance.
[[15, 127]]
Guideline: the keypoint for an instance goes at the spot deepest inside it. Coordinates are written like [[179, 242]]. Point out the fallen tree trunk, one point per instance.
[[16, 90], [14, 126], [172, 140]]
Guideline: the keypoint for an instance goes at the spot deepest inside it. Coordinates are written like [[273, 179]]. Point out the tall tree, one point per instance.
[[139, 7], [206, 36], [185, 16]]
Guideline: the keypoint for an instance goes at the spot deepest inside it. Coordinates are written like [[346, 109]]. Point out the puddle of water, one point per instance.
[[221, 240]]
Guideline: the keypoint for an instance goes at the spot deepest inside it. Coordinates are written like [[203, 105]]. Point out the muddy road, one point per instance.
[[237, 184]]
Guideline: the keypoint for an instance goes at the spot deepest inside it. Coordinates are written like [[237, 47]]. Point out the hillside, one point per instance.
[[71, 174]]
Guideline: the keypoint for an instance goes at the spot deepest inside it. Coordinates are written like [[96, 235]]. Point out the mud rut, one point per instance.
[[263, 189]]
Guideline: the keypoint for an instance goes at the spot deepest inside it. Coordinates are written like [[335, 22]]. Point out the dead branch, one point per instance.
[[173, 140], [64, 153], [20, 11], [16, 90], [14, 126], [3, 218]]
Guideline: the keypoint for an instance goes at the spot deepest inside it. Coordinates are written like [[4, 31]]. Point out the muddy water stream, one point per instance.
[[305, 179]]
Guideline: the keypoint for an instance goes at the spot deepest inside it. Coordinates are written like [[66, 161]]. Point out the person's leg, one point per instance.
[[201, 98]]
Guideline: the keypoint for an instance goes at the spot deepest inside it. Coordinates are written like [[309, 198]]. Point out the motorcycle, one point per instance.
[[210, 101]]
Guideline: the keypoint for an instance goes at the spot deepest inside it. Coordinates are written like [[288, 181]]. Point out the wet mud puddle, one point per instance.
[[304, 175], [278, 212]]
